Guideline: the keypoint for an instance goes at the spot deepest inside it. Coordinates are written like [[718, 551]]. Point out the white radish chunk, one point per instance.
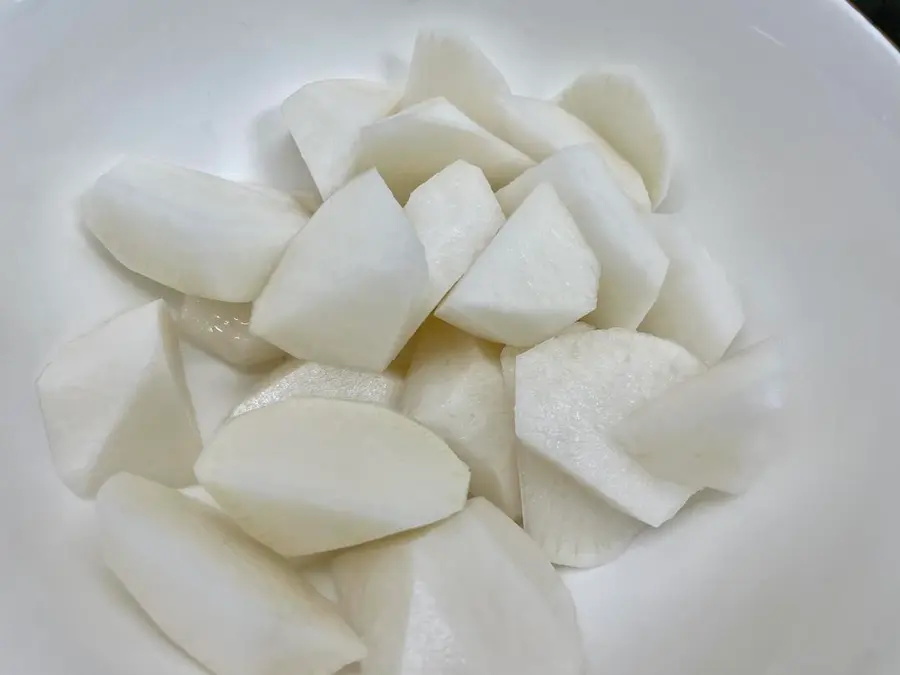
[[116, 400], [296, 379], [614, 104], [632, 263], [455, 388], [194, 232], [455, 215], [469, 596], [223, 329], [413, 145], [453, 67], [541, 128], [571, 524], [570, 393], [309, 475], [698, 307], [227, 601], [535, 278], [715, 429], [325, 118], [345, 290]]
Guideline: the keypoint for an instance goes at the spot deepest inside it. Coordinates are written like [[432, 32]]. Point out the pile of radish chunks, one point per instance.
[[485, 356]]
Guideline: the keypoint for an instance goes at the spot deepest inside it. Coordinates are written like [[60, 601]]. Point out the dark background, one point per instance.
[[883, 13]]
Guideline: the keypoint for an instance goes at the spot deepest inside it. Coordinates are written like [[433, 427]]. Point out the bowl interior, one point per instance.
[[788, 152]]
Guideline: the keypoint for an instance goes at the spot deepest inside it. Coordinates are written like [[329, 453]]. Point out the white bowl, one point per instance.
[[787, 119]]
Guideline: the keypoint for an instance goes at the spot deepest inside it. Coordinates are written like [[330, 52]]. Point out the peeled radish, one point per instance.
[[469, 596], [572, 525], [223, 329], [413, 145], [455, 388], [199, 234], [632, 263], [714, 429], [572, 390], [698, 307], [455, 215], [541, 128], [116, 400], [311, 475], [535, 278], [226, 600], [325, 118], [453, 67], [345, 290], [614, 104], [295, 379]]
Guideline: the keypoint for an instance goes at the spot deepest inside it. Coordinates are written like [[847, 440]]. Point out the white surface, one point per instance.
[[787, 139]]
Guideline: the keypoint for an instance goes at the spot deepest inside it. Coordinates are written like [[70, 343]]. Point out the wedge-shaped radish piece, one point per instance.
[[455, 388], [412, 146], [614, 104], [455, 215], [713, 430], [223, 329], [453, 67], [309, 475], [345, 290], [541, 128], [199, 234], [698, 307], [116, 400], [469, 596], [226, 600], [572, 390], [572, 525], [633, 264], [297, 379], [325, 118], [535, 278]]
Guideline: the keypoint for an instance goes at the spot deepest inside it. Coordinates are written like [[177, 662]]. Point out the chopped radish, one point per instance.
[[455, 388], [714, 429], [226, 600], [116, 400], [455, 215], [535, 278], [541, 128], [632, 263], [309, 475], [614, 104], [325, 118], [453, 67], [697, 306], [469, 596], [571, 523], [199, 234], [295, 379], [345, 290], [411, 146], [223, 329], [571, 391]]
